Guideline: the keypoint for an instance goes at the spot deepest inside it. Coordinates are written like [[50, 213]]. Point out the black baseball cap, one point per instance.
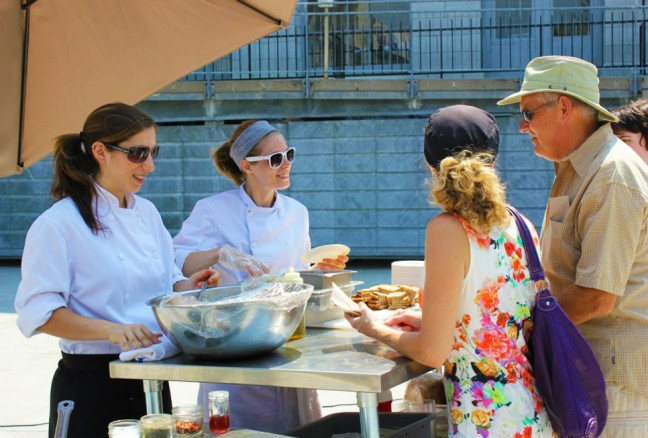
[[456, 128]]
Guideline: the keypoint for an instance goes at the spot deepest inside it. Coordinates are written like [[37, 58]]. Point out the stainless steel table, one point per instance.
[[337, 360]]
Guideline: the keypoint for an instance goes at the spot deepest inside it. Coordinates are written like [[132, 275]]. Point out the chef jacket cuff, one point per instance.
[[31, 316]]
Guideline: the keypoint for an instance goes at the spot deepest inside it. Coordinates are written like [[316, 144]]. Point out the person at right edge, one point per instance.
[[594, 239]]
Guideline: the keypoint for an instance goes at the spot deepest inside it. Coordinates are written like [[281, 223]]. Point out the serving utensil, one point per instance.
[[202, 289]]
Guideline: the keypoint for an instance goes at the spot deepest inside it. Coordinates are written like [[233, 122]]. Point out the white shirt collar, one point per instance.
[[249, 202], [112, 200]]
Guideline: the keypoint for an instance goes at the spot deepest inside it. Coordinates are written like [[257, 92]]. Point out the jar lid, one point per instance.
[[214, 395], [157, 421], [124, 425], [188, 408]]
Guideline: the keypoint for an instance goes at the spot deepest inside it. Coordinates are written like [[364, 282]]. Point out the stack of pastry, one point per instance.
[[387, 296]]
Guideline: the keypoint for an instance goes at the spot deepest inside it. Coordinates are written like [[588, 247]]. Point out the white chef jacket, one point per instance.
[[109, 275], [277, 236]]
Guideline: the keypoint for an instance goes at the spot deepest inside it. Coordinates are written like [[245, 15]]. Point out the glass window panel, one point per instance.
[[571, 18], [513, 18]]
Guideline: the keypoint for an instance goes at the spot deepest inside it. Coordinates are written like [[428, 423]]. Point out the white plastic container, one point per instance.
[[319, 307], [409, 272]]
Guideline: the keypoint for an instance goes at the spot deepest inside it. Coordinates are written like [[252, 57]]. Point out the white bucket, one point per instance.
[[409, 272]]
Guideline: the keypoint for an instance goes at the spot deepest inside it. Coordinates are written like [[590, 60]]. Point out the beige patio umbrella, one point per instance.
[[83, 53]]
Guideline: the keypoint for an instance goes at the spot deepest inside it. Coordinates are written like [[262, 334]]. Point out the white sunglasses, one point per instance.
[[275, 159]]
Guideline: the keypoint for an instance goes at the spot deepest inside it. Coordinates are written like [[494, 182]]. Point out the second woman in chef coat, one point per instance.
[[248, 231]]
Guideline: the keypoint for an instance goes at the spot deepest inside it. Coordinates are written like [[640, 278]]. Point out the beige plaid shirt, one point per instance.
[[595, 235]]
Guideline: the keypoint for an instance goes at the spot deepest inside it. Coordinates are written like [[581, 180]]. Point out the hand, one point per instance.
[[232, 258], [337, 264], [132, 336], [210, 275], [406, 320], [366, 323], [197, 279]]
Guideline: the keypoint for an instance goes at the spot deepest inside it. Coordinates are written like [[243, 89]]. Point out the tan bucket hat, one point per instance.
[[564, 75]]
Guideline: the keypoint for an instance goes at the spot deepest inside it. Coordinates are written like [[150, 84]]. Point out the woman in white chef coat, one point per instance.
[[92, 260], [262, 231]]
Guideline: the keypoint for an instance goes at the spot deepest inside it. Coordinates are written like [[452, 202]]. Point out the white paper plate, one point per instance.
[[316, 255]]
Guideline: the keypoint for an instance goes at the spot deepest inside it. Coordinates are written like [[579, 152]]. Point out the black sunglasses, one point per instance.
[[136, 154], [275, 159], [527, 115]]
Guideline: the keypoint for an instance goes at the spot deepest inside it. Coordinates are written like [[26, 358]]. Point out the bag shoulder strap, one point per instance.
[[533, 261]]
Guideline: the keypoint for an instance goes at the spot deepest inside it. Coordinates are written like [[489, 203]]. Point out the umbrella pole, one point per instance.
[[26, 6]]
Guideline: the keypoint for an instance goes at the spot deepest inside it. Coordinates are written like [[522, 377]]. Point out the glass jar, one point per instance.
[[219, 413], [157, 426], [188, 420], [125, 429]]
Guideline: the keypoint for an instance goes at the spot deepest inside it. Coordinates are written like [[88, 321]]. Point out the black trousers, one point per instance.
[[98, 399]]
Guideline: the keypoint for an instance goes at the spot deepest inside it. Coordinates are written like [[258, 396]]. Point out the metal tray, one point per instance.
[[325, 279]]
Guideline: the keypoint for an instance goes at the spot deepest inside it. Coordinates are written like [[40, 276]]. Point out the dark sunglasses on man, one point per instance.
[[136, 154], [276, 159], [527, 115]]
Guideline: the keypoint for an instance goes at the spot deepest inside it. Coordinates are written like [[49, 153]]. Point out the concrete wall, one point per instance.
[[359, 167], [363, 181]]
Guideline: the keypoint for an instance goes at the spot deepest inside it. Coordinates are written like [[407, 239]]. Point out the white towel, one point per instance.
[[160, 351]]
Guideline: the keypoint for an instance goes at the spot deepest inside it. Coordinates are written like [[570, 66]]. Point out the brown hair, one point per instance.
[[633, 117], [468, 185], [75, 167], [221, 156]]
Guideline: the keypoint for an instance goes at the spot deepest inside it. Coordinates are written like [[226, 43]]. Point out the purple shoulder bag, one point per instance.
[[567, 374]]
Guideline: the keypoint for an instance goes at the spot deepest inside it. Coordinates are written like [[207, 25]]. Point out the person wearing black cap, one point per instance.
[[478, 292]]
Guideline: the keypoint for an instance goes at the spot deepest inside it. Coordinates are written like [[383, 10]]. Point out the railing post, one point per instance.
[[326, 43], [306, 58]]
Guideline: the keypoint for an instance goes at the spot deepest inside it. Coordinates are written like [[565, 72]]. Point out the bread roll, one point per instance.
[[426, 387]]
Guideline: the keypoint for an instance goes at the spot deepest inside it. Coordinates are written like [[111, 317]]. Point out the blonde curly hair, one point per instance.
[[467, 184]]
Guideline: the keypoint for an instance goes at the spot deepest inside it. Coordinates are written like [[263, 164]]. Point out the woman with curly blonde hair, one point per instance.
[[478, 295]]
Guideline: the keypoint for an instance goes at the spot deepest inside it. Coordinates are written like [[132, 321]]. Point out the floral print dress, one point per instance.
[[488, 379]]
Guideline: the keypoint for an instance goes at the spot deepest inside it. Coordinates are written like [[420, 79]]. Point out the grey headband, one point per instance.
[[245, 142]]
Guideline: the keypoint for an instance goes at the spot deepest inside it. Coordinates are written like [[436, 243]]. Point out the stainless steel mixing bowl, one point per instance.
[[227, 323]]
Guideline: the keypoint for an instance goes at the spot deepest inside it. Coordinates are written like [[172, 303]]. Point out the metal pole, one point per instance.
[[326, 43], [368, 404], [153, 395]]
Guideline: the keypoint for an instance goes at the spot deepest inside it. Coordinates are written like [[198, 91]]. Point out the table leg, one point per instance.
[[153, 395], [368, 404]]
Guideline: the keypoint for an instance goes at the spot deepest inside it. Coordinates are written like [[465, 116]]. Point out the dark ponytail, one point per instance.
[[75, 167]]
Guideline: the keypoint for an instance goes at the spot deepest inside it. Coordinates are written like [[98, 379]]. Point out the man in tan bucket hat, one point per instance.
[[594, 237]]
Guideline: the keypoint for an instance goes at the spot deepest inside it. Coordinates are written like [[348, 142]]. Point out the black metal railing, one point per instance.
[[376, 38]]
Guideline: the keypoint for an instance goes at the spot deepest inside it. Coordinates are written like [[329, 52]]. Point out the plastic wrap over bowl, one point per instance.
[[230, 322]]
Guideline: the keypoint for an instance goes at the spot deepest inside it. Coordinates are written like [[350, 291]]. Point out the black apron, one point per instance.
[[98, 399]]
